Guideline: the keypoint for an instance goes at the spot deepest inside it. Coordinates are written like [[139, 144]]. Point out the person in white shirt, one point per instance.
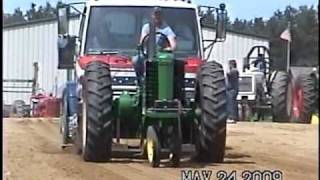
[[165, 43]]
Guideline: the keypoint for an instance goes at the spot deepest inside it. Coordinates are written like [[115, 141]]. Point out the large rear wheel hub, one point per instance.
[[297, 103]]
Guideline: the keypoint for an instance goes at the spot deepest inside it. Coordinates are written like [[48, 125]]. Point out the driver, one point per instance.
[[161, 27], [260, 63]]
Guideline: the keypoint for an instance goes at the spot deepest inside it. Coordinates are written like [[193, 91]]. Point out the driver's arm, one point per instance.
[[172, 38], [144, 32], [173, 43]]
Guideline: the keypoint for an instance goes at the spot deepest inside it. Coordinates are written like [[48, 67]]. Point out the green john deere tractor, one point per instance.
[[179, 108]]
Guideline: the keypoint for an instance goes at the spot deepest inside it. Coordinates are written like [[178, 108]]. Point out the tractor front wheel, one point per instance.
[[211, 100], [95, 126], [153, 147]]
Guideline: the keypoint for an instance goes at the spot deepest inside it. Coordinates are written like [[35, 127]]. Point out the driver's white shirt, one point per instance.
[[164, 29]]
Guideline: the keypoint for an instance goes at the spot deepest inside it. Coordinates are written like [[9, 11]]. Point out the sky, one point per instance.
[[243, 9]]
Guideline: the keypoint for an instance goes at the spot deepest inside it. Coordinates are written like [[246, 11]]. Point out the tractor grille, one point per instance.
[[118, 81], [189, 82], [189, 86], [189, 89], [245, 84], [123, 80], [151, 84], [179, 84]]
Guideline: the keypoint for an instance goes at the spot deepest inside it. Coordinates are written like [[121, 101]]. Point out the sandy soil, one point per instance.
[[32, 152]]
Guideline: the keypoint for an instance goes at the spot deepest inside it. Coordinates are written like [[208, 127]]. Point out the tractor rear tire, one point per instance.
[[212, 100], [281, 97], [305, 98], [97, 113], [175, 143], [5, 111]]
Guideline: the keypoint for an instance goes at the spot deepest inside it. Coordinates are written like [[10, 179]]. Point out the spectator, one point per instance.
[[232, 91], [261, 63]]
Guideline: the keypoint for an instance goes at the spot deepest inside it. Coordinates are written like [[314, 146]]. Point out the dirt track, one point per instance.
[[32, 152]]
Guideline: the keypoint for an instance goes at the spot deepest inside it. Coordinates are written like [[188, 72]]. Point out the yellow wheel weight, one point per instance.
[[315, 119]]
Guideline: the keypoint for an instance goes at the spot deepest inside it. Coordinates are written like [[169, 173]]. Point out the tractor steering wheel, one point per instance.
[[267, 62], [145, 38]]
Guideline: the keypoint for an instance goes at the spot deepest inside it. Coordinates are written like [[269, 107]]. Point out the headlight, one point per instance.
[[124, 81]]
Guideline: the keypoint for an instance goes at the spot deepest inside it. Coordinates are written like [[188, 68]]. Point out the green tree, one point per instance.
[[31, 13], [42, 12], [259, 26], [16, 17], [306, 37], [49, 11]]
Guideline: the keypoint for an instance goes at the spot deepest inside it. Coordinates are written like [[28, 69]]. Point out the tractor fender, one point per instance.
[[315, 76], [272, 76], [270, 79], [79, 70], [70, 92]]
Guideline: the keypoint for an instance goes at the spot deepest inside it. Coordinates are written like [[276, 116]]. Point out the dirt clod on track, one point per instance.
[[32, 151]]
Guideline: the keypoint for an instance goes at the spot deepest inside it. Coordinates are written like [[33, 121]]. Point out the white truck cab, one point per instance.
[[114, 27]]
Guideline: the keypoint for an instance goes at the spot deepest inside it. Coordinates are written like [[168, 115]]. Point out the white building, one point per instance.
[[24, 44]]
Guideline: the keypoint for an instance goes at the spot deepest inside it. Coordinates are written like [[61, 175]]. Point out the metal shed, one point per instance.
[[26, 43]]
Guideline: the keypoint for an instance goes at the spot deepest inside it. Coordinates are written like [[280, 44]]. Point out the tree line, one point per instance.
[[304, 29], [42, 12]]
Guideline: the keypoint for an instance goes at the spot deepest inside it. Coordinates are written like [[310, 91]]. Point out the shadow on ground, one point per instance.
[[186, 162]]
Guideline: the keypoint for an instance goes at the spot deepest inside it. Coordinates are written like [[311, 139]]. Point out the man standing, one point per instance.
[[232, 91], [165, 44], [261, 63]]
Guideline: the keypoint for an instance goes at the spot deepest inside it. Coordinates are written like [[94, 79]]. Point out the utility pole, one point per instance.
[[288, 48], [286, 35], [35, 78]]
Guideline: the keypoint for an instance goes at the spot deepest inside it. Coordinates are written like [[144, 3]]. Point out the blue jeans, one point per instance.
[[138, 64], [232, 105]]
